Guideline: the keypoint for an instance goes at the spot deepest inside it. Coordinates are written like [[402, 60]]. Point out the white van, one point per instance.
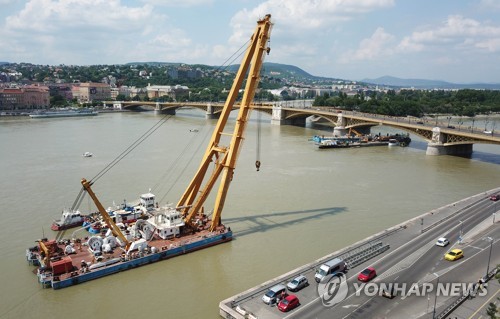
[[331, 267]]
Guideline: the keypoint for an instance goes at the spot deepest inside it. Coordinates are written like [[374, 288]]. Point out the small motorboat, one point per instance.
[[87, 154]]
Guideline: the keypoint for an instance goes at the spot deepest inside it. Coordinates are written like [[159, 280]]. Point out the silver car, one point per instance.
[[297, 283]]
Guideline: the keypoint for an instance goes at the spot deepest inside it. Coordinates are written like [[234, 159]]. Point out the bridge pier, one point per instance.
[[339, 131], [463, 150], [210, 115], [436, 146], [278, 117]]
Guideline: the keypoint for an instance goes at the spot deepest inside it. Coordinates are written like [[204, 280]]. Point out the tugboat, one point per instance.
[[69, 219]]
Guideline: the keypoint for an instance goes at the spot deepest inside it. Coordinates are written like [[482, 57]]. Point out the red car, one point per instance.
[[367, 274], [288, 303], [495, 197]]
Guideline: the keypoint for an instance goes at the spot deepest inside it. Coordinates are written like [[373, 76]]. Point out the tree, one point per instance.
[[121, 97], [492, 311]]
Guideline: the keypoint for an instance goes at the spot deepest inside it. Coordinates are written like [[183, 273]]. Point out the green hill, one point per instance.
[[284, 71]]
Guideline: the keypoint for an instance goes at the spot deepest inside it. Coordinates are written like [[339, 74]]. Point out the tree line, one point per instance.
[[464, 102]]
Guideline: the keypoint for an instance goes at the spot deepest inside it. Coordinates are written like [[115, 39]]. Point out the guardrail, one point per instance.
[[468, 295], [461, 210], [361, 257]]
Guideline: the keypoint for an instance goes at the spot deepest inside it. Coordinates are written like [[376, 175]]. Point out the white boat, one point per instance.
[[87, 154], [69, 219], [393, 142]]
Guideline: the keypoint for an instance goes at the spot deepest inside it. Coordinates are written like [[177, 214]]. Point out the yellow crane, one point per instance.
[[105, 216], [224, 157]]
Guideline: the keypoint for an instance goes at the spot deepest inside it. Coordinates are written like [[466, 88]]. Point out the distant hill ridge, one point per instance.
[[429, 84], [294, 73]]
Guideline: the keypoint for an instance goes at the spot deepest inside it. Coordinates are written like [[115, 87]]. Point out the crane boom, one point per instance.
[[105, 216], [225, 157]]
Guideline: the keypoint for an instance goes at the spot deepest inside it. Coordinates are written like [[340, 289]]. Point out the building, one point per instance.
[[91, 92], [62, 89], [29, 97], [175, 92]]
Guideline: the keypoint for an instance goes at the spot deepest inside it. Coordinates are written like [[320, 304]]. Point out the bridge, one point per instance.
[[442, 139]]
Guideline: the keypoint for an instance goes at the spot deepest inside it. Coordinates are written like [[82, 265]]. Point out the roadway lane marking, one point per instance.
[[349, 306], [475, 247], [494, 295]]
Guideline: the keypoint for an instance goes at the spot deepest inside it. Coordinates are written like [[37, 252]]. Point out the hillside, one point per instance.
[[286, 71], [429, 84]]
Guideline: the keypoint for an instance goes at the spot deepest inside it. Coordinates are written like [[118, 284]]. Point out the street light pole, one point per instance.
[[489, 257], [435, 297]]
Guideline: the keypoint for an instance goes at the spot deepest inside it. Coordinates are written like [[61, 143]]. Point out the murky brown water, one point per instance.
[[303, 204]]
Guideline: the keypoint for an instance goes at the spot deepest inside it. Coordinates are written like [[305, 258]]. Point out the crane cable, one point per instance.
[[259, 118], [129, 149], [142, 138], [259, 126]]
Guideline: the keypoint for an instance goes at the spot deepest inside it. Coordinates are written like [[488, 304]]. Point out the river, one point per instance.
[[303, 204]]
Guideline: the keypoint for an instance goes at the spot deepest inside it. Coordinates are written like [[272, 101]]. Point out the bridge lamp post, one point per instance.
[[489, 256], [436, 296]]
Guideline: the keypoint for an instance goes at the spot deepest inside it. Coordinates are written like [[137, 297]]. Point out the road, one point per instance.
[[413, 258], [419, 261]]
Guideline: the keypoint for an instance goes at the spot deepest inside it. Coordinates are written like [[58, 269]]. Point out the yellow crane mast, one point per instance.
[[224, 157]]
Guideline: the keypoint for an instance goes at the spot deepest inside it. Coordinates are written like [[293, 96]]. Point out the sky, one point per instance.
[[451, 40]]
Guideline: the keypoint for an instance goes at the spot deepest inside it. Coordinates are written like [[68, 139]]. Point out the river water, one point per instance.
[[303, 204]]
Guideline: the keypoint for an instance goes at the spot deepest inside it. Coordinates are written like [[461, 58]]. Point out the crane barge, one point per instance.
[[168, 231]]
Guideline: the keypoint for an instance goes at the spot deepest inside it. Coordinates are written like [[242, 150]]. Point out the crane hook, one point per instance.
[[257, 165]]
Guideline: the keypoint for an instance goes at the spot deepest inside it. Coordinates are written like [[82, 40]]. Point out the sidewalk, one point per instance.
[[476, 308]]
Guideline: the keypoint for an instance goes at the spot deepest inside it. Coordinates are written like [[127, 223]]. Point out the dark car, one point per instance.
[[495, 197], [367, 274], [288, 303]]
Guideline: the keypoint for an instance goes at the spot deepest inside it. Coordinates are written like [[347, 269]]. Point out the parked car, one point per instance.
[[273, 294], [288, 303], [297, 283], [367, 274], [443, 242], [495, 197], [454, 254]]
